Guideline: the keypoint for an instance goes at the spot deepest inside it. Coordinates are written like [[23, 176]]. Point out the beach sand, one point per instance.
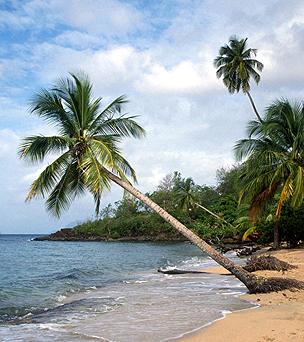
[[280, 317]]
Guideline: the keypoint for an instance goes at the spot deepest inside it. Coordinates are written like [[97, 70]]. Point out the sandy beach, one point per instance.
[[279, 318]]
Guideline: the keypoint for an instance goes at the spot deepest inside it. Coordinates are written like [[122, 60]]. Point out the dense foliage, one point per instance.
[[129, 219], [274, 154]]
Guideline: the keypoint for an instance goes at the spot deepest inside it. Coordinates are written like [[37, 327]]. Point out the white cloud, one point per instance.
[[185, 77]]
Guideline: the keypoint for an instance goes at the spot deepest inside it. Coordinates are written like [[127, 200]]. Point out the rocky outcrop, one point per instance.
[[70, 234]]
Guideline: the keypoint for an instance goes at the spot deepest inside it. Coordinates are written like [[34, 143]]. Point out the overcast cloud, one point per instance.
[[160, 55]]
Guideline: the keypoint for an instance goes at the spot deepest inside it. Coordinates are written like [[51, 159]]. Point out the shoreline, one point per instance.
[[195, 332], [278, 316]]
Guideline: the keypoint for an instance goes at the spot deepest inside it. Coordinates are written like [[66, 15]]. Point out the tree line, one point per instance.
[[214, 213]]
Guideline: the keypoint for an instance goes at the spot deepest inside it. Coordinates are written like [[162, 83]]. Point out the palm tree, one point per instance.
[[236, 64], [90, 158], [275, 159], [185, 194], [187, 198]]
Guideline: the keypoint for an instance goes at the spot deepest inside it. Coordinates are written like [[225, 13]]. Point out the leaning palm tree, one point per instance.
[[187, 199], [236, 64], [275, 159], [90, 158]]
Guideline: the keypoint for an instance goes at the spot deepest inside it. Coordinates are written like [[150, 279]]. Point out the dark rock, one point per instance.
[[247, 250]]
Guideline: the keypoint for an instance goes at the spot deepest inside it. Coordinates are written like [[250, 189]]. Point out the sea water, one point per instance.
[[107, 291]]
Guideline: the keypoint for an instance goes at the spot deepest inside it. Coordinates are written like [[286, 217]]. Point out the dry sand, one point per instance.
[[280, 318]]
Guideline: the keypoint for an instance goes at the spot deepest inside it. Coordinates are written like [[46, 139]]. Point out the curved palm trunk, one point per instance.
[[251, 281], [254, 107]]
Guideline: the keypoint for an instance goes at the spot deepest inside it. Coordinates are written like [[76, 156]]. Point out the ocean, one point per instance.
[[107, 291]]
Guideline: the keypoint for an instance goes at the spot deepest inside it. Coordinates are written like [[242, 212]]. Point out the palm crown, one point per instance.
[[275, 156], [87, 143], [236, 65], [185, 194]]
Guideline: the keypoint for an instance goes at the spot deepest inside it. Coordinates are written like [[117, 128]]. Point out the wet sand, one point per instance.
[[280, 317]]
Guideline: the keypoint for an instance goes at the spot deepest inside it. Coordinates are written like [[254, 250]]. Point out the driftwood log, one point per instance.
[[177, 271]]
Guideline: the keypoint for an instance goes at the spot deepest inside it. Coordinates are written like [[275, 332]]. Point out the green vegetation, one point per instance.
[[130, 219], [273, 171]]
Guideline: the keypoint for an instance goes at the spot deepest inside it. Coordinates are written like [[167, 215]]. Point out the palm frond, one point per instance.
[[108, 112], [260, 200], [35, 148], [63, 194], [49, 106], [122, 126], [48, 177]]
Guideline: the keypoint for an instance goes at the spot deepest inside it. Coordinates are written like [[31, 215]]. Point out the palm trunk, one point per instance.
[[253, 106], [251, 281], [213, 214], [276, 236]]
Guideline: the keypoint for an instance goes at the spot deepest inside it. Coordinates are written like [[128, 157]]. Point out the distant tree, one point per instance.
[[169, 181], [126, 207], [228, 181], [207, 195], [107, 211], [236, 64]]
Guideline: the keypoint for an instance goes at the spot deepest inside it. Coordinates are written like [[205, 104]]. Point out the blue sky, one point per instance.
[[158, 53]]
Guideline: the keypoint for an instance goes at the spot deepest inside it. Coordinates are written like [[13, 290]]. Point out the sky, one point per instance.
[[160, 55]]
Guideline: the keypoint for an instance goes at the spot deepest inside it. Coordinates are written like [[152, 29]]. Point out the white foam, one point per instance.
[[60, 298]]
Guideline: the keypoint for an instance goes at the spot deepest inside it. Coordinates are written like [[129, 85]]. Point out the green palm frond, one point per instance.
[[35, 148], [48, 177], [109, 112], [123, 126], [49, 106], [88, 142], [273, 157], [63, 193]]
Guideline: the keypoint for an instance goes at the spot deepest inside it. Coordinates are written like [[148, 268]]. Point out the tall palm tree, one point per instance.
[[236, 64], [275, 159], [90, 158]]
